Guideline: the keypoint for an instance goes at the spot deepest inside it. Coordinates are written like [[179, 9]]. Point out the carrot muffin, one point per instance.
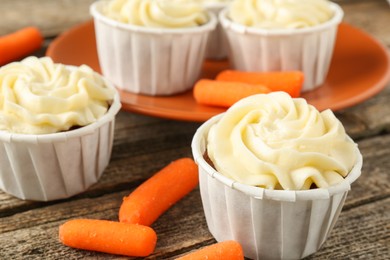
[[56, 128], [274, 174], [274, 35], [153, 47]]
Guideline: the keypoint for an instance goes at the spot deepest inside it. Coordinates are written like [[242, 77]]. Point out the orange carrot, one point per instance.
[[108, 237], [288, 81], [153, 197], [19, 44], [229, 249], [224, 94]]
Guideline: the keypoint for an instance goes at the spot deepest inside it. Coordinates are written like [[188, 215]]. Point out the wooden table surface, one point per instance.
[[143, 144]]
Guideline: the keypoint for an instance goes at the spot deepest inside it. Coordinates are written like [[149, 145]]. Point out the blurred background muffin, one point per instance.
[[217, 43], [153, 47], [283, 35]]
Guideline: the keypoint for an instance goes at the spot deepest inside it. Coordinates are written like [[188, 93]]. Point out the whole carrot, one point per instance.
[[108, 237], [224, 93], [153, 197], [288, 81], [19, 44], [229, 249]]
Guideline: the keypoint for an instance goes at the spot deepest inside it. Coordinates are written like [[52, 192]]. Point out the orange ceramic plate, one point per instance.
[[359, 70]]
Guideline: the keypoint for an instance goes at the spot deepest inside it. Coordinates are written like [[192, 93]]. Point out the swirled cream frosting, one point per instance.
[[277, 14], [38, 96], [277, 142], [158, 13], [215, 1]]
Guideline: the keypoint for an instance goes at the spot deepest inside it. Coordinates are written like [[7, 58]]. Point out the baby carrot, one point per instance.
[[19, 44], [229, 249], [288, 81], [224, 93], [153, 197], [108, 237]]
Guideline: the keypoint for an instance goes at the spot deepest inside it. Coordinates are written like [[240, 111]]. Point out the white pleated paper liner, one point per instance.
[[217, 43], [59, 165], [308, 49], [151, 61], [269, 224]]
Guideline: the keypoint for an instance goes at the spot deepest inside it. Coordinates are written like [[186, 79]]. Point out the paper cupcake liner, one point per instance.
[[217, 46], [152, 61], [59, 165], [306, 49], [269, 224]]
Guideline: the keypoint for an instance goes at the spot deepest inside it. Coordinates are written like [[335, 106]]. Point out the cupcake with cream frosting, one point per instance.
[[271, 35], [56, 128], [274, 175], [153, 47]]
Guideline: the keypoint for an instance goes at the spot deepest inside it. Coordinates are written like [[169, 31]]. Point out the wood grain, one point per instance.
[[187, 229], [369, 118], [143, 145], [52, 17]]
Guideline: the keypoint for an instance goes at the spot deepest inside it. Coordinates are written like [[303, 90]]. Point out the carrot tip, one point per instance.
[[223, 250], [169, 185], [19, 44]]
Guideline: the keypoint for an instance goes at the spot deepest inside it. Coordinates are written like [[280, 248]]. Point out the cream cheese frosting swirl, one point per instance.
[[278, 14], [216, 1], [276, 142], [158, 13], [38, 96]]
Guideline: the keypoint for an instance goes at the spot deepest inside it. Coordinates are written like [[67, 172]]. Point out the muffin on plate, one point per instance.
[[56, 128], [283, 35], [152, 47], [217, 46], [274, 175]]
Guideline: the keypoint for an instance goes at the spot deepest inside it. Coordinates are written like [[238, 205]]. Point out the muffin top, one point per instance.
[[157, 13], [279, 14], [277, 142], [38, 96]]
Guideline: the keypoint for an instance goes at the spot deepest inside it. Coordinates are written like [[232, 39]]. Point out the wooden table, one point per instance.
[[143, 144]]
